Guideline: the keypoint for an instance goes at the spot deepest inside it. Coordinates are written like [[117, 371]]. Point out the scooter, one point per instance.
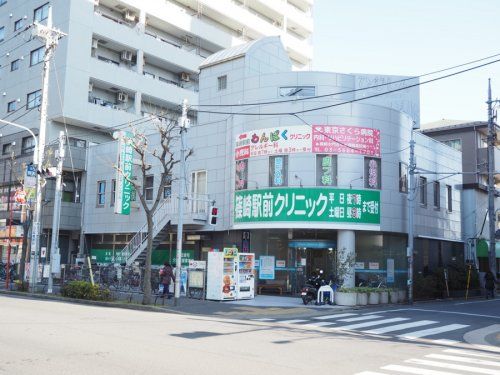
[[309, 292]]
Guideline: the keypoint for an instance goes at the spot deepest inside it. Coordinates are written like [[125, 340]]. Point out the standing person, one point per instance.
[[489, 284], [167, 276]]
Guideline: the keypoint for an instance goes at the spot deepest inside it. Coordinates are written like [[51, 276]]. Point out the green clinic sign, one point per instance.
[[307, 204], [124, 174]]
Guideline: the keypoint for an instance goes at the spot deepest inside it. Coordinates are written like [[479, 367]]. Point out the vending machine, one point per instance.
[[222, 274], [246, 276]]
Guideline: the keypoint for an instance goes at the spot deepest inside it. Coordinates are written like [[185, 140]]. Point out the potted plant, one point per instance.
[[361, 296], [384, 295], [393, 295], [345, 297], [373, 296]]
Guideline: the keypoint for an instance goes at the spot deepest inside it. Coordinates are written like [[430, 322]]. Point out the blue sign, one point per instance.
[[266, 269]]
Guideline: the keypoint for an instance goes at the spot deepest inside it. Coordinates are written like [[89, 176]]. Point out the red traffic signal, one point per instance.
[[212, 217]]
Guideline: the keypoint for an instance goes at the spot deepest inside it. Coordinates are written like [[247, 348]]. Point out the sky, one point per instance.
[[408, 37]]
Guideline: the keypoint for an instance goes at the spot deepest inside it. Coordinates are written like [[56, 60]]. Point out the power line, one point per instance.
[[348, 91], [16, 34]]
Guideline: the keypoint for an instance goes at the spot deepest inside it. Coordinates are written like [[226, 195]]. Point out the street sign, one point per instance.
[[43, 252], [30, 176]]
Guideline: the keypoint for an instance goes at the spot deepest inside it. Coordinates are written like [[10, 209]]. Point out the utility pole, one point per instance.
[[184, 124], [491, 184], [411, 209], [9, 205], [56, 217], [50, 37]]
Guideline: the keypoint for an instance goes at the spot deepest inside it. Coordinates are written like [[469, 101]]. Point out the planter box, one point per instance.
[[401, 295], [394, 296], [362, 299], [384, 297], [373, 298], [345, 299]]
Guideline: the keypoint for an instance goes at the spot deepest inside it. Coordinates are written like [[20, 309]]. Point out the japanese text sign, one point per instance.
[[350, 140], [124, 174], [307, 204]]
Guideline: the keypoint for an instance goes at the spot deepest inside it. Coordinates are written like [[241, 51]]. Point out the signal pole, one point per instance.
[[184, 124], [50, 37], [56, 217], [491, 184]]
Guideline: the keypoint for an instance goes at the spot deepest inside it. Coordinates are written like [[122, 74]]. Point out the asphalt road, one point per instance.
[[47, 337]]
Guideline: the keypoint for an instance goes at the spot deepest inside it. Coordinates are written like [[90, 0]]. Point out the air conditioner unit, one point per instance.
[[185, 77], [95, 43], [126, 56], [122, 97], [96, 3], [129, 16]]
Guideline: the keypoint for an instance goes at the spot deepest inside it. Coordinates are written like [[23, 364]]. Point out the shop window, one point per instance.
[[28, 145], [222, 83], [373, 173], [278, 171], [297, 91], [148, 187], [326, 170], [437, 193], [34, 99], [41, 13], [449, 198], [113, 192], [11, 106], [241, 178], [403, 178], [101, 193], [36, 56], [167, 188], [422, 185], [14, 65]]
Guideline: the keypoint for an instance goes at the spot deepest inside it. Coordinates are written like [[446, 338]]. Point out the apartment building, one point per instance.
[[122, 62]]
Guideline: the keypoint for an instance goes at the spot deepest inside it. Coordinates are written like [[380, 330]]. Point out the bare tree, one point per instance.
[[161, 153]]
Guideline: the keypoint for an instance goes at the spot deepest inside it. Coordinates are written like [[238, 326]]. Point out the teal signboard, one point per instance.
[[158, 257], [307, 204]]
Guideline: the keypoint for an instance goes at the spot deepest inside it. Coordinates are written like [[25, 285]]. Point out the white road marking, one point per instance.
[[264, 320], [369, 373], [370, 324], [484, 301], [335, 316], [400, 327], [440, 311], [453, 366], [318, 324], [293, 321], [464, 360], [359, 318], [432, 331], [472, 354], [445, 342], [415, 370]]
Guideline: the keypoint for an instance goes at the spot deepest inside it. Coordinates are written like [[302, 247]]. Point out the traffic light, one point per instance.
[[50, 172], [212, 216]]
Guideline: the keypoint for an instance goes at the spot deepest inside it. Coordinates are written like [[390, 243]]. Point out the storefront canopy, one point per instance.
[[482, 249]]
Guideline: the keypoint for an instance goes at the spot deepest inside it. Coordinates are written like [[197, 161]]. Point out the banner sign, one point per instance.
[[307, 204], [390, 270], [320, 139], [123, 186], [158, 257], [266, 267]]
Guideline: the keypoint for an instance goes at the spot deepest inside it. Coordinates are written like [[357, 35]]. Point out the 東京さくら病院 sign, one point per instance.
[[307, 204]]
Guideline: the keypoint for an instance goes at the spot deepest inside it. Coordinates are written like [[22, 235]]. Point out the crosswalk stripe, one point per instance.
[[264, 320], [473, 354], [319, 324], [400, 327], [416, 370], [359, 318], [292, 321], [325, 317], [369, 373], [445, 342], [464, 360], [432, 331], [370, 324], [453, 366]]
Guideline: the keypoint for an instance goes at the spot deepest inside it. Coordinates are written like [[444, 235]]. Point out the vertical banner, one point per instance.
[[125, 162], [245, 241], [241, 178], [390, 270]]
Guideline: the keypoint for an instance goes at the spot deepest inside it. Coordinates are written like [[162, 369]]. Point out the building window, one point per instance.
[[403, 178], [28, 145], [41, 13], [449, 198], [221, 83], [113, 192], [167, 188], [278, 171], [148, 75], [18, 24], [14, 65], [423, 190], [454, 143], [7, 148], [148, 187], [437, 193], [36, 56], [297, 91], [241, 178], [34, 99], [2, 33], [199, 190], [2, 2], [11, 106], [326, 170], [75, 142], [373, 173], [101, 193]]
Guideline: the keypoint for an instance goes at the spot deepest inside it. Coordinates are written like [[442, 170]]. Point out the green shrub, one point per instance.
[[426, 286], [21, 286], [85, 290]]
